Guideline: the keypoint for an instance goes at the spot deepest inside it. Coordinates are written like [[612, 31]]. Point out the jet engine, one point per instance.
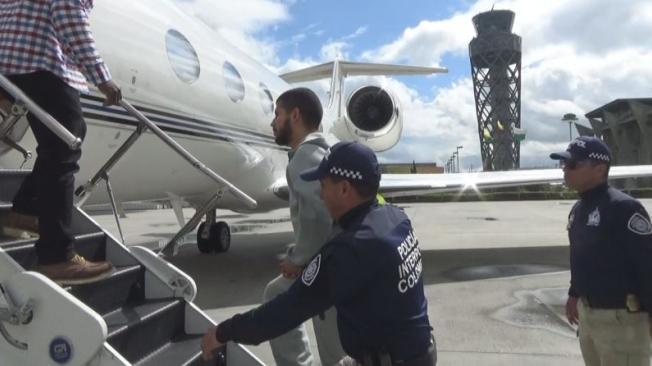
[[371, 117]]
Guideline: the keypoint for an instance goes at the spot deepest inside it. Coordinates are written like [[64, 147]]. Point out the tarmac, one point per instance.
[[495, 273]]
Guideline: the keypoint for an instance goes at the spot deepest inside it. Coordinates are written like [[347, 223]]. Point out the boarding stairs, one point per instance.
[[141, 315]]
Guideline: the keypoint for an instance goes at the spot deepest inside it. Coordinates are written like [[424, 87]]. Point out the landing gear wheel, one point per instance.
[[203, 240], [218, 238], [222, 239]]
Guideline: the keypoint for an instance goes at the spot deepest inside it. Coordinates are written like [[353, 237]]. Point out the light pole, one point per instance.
[[570, 118], [457, 152], [453, 160]]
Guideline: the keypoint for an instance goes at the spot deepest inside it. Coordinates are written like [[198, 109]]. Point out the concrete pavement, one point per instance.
[[495, 274]]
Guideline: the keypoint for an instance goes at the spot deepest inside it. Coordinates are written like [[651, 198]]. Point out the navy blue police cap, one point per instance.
[[349, 160], [585, 148]]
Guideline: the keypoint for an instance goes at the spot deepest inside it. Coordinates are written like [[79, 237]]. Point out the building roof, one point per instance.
[[616, 104]]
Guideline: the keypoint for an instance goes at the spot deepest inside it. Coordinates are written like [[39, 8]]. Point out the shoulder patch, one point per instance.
[[640, 225], [310, 273]]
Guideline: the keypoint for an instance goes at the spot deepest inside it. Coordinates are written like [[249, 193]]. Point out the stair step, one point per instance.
[[181, 351], [90, 246], [147, 334], [10, 181], [126, 285], [5, 206], [118, 321]]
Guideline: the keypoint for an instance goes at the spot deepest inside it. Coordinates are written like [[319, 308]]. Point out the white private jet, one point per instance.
[[205, 95], [217, 103]]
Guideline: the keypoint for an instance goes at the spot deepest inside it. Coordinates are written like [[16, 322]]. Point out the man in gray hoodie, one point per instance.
[[296, 123]]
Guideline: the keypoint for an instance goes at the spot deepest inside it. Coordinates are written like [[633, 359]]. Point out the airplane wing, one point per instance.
[[348, 68], [395, 185]]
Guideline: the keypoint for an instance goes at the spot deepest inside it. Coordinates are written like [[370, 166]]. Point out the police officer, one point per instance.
[[610, 234], [370, 271]]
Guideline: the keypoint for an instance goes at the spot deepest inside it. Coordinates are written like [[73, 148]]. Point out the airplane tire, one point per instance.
[[221, 235], [204, 244]]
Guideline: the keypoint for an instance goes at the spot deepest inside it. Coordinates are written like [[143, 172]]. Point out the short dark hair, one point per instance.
[[595, 163], [365, 191], [307, 102], [606, 172]]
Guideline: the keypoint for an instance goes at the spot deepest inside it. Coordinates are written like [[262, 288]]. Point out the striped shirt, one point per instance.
[[50, 35]]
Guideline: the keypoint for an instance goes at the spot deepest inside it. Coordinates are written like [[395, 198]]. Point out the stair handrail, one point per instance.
[[83, 192], [240, 195], [52, 124]]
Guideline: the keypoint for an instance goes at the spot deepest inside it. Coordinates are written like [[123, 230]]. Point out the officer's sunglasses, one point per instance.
[[574, 164], [570, 164]]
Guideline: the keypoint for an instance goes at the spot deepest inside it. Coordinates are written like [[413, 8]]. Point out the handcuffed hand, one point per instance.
[[289, 269], [209, 343]]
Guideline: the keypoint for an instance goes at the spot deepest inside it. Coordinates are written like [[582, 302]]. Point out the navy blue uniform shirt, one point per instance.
[[610, 249], [371, 272]]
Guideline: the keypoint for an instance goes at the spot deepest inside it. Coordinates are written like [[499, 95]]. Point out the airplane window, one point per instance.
[[182, 56], [233, 82], [266, 99]]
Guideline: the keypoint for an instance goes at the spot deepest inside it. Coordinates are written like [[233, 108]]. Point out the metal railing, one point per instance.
[[52, 124], [84, 191], [14, 315], [22, 103]]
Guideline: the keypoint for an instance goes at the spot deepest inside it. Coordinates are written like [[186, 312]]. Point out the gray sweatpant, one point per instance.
[[293, 348]]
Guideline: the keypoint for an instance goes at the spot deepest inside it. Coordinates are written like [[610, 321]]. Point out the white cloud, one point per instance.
[[358, 32], [577, 56], [240, 21], [426, 43], [335, 50], [247, 16]]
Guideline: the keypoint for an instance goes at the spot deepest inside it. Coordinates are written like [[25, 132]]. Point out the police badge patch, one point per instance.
[[311, 272], [594, 218], [639, 224]]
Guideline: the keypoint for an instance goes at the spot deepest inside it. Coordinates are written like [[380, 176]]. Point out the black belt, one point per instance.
[[600, 302], [608, 302], [428, 358]]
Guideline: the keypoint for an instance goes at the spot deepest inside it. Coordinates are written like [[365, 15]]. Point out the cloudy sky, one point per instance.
[[577, 56]]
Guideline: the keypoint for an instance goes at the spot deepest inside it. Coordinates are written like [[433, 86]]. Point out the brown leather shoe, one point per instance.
[[76, 271], [20, 226]]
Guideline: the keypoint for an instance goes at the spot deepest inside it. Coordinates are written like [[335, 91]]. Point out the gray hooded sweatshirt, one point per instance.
[[311, 222]]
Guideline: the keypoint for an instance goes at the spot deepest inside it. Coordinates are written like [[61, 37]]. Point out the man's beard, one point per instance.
[[282, 136]]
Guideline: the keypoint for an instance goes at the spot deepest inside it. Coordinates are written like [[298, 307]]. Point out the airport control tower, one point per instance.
[[496, 68]]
